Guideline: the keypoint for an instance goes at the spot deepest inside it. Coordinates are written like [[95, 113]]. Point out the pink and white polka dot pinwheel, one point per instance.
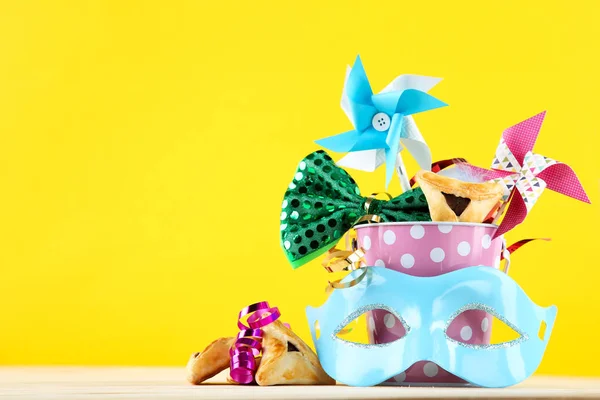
[[527, 174]]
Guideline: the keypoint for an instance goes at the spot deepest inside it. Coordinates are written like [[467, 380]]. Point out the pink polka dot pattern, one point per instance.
[[431, 251], [419, 241]]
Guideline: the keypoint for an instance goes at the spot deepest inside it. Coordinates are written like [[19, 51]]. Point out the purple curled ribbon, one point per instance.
[[248, 344]]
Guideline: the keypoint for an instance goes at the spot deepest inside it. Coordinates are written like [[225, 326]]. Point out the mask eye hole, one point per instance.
[[474, 327], [384, 327], [372, 327]]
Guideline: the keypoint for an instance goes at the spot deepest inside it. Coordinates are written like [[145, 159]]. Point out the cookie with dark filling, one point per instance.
[[287, 360], [212, 360], [452, 200]]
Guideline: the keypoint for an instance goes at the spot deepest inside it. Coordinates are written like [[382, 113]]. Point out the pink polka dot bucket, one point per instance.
[[429, 249]]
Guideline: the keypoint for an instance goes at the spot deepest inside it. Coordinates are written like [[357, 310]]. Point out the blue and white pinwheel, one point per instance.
[[382, 123]]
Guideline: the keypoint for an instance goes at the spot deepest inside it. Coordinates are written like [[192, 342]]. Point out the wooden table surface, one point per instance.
[[169, 383]]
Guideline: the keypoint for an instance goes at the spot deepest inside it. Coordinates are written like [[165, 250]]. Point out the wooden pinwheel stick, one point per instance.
[[502, 208], [402, 176]]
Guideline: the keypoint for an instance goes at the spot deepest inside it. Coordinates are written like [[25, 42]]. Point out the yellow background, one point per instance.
[[145, 148]]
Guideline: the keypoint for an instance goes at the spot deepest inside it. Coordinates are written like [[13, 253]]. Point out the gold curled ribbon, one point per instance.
[[372, 197], [337, 284], [369, 218], [338, 260]]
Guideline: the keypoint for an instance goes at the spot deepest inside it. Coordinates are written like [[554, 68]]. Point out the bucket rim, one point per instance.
[[412, 223]]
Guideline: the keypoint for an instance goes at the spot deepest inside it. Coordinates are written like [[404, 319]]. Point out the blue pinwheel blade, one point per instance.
[[393, 142], [340, 143], [386, 102], [370, 139], [358, 92], [350, 141], [414, 101], [362, 115], [358, 86], [407, 102]]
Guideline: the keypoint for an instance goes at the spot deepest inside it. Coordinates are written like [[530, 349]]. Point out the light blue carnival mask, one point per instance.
[[426, 306]]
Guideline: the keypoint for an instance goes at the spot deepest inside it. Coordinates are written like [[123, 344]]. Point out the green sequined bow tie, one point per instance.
[[323, 203]]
